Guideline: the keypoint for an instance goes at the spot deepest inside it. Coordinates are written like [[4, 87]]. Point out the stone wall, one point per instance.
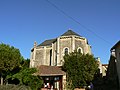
[[47, 57], [39, 57], [42, 53], [64, 43]]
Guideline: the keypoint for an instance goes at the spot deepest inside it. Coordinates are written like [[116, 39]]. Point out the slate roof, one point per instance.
[[70, 32], [118, 43], [50, 41], [47, 42], [49, 71]]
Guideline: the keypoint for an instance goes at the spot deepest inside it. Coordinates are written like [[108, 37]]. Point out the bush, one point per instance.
[[14, 87]]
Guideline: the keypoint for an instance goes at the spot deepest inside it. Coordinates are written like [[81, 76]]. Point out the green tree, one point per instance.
[[80, 68], [25, 63], [26, 77], [10, 59]]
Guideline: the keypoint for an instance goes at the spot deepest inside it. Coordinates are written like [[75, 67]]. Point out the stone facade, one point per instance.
[[51, 52]]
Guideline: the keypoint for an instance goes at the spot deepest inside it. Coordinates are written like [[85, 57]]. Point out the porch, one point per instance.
[[53, 77]]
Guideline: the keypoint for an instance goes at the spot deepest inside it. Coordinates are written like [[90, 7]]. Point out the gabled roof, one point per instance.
[[118, 43], [47, 42], [49, 71], [70, 32]]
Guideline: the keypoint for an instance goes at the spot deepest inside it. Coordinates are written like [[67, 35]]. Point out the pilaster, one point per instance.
[[64, 82], [53, 55], [44, 62], [73, 43], [34, 54], [31, 59], [58, 50]]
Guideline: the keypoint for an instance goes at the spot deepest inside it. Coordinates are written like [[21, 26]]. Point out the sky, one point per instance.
[[24, 21]]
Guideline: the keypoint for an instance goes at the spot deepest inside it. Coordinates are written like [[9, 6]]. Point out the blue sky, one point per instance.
[[24, 21]]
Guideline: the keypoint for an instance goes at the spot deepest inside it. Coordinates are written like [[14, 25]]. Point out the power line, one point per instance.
[[73, 19]]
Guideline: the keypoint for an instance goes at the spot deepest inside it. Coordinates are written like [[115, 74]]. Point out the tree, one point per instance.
[[13, 67], [10, 59], [25, 63], [80, 68], [26, 77]]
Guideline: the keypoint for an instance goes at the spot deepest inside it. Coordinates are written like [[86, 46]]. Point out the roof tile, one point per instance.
[[50, 71], [47, 42]]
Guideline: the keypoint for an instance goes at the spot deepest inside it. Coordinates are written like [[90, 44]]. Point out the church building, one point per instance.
[[51, 51], [48, 57]]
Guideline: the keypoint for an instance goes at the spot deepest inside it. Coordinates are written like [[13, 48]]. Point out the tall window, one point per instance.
[[79, 50], [50, 57], [66, 51]]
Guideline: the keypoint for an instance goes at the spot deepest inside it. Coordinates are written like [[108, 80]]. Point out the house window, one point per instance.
[[56, 78], [66, 51], [79, 50]]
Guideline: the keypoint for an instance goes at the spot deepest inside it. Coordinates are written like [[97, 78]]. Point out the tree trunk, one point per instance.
[[1, 80]]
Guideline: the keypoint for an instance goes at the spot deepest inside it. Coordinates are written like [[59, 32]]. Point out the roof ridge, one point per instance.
[[70, 32], [115, 45]]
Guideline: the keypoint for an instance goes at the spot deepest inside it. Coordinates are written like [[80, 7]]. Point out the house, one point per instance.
[[112, 75], [115, 51], [48, 57], [102, 67]]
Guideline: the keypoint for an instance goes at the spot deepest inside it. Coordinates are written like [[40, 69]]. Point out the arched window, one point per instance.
[[79, 50], [66, 51]]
